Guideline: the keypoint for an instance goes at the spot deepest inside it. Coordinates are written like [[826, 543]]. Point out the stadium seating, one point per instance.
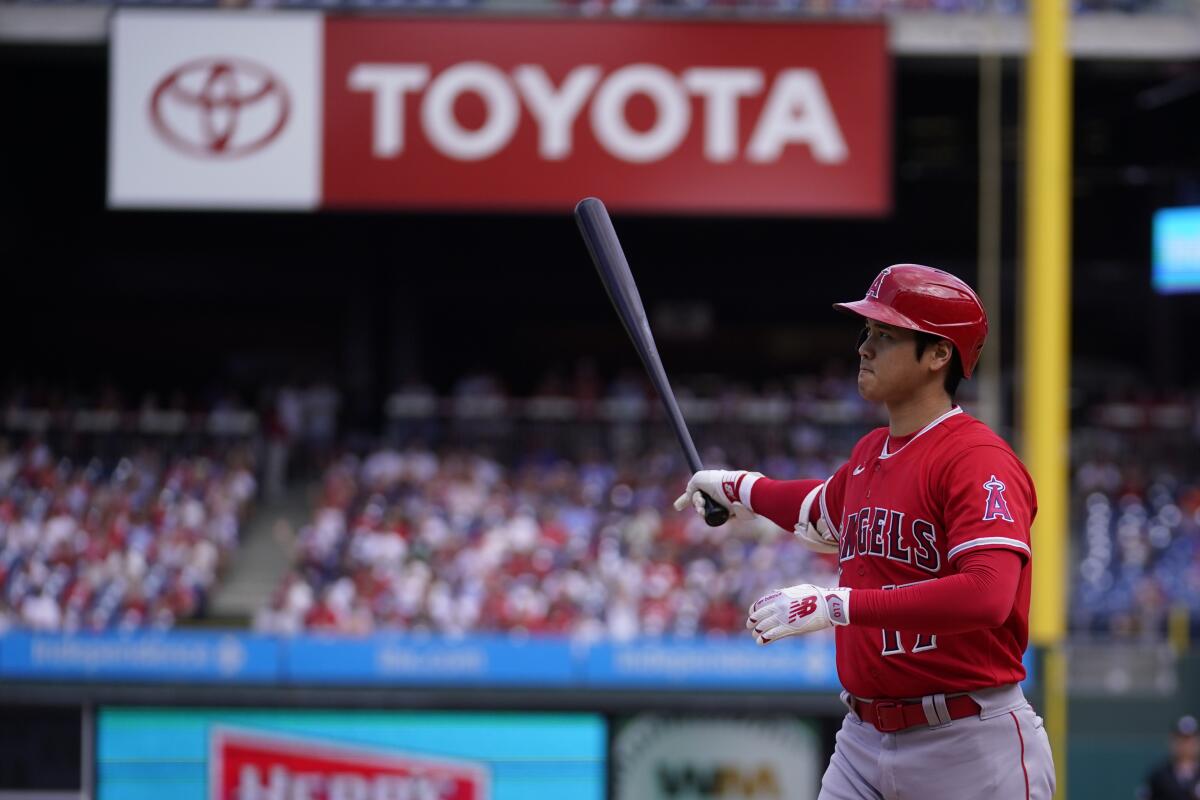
[[546, 513], [552, 538], [454, 541], [137, 542]]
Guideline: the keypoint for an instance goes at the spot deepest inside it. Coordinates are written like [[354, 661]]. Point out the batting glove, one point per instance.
[[728, 488], [798, 610]]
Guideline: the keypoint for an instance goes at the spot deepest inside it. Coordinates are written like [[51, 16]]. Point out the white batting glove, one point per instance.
[[798, 610], [728, 488]]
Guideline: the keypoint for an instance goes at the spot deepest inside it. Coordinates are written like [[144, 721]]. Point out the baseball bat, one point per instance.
[[609, 258]]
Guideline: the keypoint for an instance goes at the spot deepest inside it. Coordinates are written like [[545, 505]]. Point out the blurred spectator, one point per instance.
[[320, 403], [282, 426], [1177, 778]]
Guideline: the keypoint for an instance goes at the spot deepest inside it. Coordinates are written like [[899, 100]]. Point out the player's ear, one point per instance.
[[940, 354]]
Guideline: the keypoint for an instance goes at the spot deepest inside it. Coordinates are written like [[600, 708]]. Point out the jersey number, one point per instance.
[[891, 639]]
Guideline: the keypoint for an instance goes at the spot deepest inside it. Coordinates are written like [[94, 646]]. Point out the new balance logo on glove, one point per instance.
[[801, 608]]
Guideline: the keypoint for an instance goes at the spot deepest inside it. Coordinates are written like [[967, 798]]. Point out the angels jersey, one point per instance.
[[903, 514]]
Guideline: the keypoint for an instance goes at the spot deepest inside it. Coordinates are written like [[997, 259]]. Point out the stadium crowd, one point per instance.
[[455, 541], [543, 539], [546, 513], [140, 543], [1137, 544]]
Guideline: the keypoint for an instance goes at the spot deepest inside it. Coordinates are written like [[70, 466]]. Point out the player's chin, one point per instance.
[[868, 386]]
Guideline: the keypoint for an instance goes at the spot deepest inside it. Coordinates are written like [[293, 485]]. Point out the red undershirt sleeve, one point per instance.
[[779, 501], [979, 595]]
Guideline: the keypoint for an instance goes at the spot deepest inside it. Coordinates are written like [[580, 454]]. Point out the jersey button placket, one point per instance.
[[862, 570], [871, 477]]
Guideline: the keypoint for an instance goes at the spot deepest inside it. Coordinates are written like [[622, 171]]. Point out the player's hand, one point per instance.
[[722, 486], [798, 610]]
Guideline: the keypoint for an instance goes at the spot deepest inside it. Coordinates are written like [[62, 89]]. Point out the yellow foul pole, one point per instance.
[[1045, 347]]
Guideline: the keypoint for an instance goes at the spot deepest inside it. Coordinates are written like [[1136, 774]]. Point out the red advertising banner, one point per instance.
[[248, 765], [659, 116]]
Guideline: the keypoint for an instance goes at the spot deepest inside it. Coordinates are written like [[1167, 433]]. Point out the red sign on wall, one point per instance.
[[650, 116], [247, 765], [660, 116]]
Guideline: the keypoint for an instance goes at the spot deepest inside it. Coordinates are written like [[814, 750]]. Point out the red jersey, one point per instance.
[[903, 515]]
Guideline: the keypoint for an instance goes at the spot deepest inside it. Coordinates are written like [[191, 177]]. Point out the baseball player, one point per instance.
[[930, 519]]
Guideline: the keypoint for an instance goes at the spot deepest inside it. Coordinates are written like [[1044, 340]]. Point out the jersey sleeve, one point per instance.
[[980, 594], [781, 501], [989, 502]]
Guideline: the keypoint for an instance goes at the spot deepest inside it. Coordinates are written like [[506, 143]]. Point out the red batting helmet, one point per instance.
[[926, 299]]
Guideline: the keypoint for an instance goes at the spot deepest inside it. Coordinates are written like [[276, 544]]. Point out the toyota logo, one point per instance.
[[219, 107]]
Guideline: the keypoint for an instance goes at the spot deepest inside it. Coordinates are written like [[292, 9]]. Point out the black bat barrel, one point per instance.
[[609, 258]]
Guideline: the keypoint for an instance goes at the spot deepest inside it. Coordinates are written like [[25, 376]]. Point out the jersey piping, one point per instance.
[[988, 541], [825, 515], [884, 452]]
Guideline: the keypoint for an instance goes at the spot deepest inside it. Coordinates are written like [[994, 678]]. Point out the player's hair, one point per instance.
[[954, 374]]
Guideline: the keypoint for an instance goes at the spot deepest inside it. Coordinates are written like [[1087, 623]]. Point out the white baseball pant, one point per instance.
[[1002, 754]]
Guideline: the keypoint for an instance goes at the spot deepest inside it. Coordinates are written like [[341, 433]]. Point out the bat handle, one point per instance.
[[714, 513]]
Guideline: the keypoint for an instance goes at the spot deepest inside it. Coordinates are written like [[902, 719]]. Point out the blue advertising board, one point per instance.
[[478, 660], [803, 664], [237, 657], [233, 657], [225, 657]]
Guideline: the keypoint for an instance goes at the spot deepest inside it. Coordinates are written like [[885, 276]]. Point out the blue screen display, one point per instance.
[[240, 754], [1177, 250]]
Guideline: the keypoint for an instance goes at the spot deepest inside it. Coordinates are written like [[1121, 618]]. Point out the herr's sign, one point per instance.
[[248, 765], [302, 111]]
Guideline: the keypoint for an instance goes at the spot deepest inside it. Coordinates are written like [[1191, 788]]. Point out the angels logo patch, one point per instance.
[[877, 284], [995, 507]]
